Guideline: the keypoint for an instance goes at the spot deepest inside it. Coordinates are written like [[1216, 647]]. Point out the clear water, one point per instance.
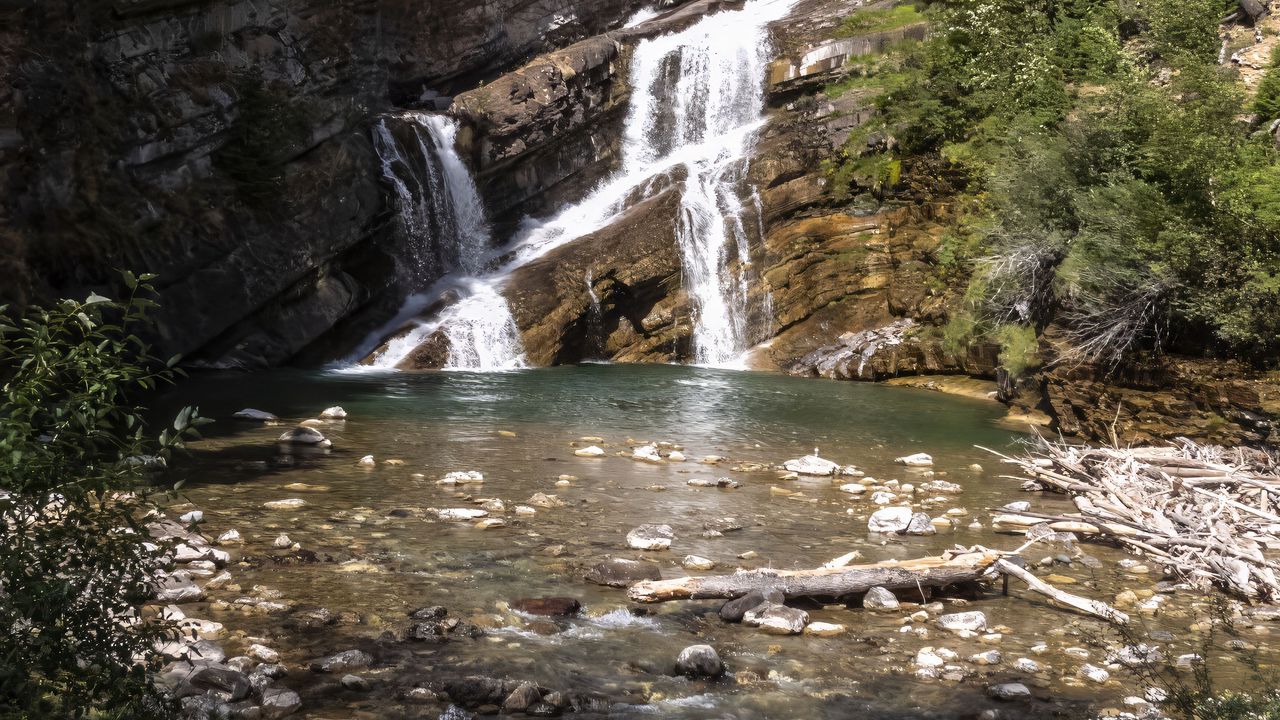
[[440, 422]]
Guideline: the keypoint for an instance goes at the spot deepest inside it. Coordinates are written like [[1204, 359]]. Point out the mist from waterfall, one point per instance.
[[705, 123]]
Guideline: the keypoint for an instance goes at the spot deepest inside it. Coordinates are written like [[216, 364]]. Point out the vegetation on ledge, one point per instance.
[[1118, 186]]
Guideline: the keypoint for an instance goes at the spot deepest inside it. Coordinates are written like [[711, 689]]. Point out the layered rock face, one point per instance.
[[224, 145]]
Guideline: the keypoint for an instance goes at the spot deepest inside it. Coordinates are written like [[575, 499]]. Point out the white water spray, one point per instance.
[[706, 123]]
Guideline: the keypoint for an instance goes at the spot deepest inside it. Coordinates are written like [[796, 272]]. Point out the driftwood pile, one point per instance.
[[1209, 515]]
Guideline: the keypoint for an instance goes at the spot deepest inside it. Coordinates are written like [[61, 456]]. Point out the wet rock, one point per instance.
[[734, 610], [355, 683], [853, 488], [544, 500], [890, 520], [476, 690], [699, 661], [942, 487], [453, 712], [928, 658], [824, 629], [1093, 673], [622, 572], [333, 413], [811, 465], [176, 589], [1020, 506], [647, 453], [230, 537], [974, 621], [549, 606], [915, 460], [921, 524], [520, 699], [279, 702], [697, 562], [718, 482], [1027, 665], [204, 707], [461, 477], [282, 541], [776, 619], [1138, 655], [461, 514], [307, 436], [367, 461], [1009, 691], [650, 537], [287, 504], [990, 657], [263, 653], [542, 709], [589, 451], [676, 456], [342, 662], [254, 414], [878, 598], [491, 523]]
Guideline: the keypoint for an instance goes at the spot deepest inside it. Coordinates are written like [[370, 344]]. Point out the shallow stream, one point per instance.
[[380, 553]]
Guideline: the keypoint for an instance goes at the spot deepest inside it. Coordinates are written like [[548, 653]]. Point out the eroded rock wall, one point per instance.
[[224, 145]]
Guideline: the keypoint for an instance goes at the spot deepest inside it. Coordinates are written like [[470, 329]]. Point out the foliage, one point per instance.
[[1019, 350], [879, 20], [1267, 102], [1195, 693], [1118, 194], [73, 564], [267, 130]]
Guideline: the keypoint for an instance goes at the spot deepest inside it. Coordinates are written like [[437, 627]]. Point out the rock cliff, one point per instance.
[[224, 144]]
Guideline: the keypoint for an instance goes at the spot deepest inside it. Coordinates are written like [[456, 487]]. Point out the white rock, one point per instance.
[[194, 516], [1094, 673], [646, 453], [990, 657], [525, 510], [650, 537], [853, 488], [367, 461], [590, 451], [283, 541], [776, 619], [824, 629], [881, 497], [811, 465], [1019, 506], [676, 456], [333, 413], [1009, 691], [230, 537], [305, 436], [878, 598], [697, 562], [287, 504], [263, 653], [461, 477], [890, 520], [916, 460], [254, 414], [1026, 665], [928, 658], [974, 621], [461, 514]]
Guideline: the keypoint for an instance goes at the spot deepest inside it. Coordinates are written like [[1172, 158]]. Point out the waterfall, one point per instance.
[[706, 122]]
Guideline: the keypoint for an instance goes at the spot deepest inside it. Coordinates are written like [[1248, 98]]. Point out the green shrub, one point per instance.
[[73, 563], [866, 22], [1019, 348]]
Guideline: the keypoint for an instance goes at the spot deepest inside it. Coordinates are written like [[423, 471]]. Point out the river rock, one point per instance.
[[342, 662], [647, 453], [1019, 506], [254, 414], [367, 461], [890, 520], [699, 661], [973, 621], [676, 456], [589, 451], [461, 514], [878, 598], [942, 487], [622, 572], [697, 562], [776, 619], [177, 589], [1093, 673], [548, 606], [287, 504], [921, 524], [718, 482], [230, 537], [282, 541], [824, 629], [1009, 691], [521, 698], [734, 610], [461, 477], [990, 657], [811, 465], [279, 702], [305, 436], [355, 683], [928, 658], [206, 651], [333, 413], [915, 460], [544, 500], [228, 685], [650, 537], [853, 488]]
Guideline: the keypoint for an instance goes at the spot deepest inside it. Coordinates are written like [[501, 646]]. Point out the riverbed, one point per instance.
[[367, 547]]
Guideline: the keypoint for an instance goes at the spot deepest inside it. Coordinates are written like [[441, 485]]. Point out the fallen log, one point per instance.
[[822, 582], [1085, 605]]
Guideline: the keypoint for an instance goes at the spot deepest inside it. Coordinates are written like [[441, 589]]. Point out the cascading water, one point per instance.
[[706, 123]]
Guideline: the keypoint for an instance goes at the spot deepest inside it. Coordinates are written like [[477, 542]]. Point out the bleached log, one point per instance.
[[1085, 605], [822, 582]]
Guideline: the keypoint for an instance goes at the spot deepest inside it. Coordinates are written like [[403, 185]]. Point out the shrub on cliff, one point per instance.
[[73, 562]]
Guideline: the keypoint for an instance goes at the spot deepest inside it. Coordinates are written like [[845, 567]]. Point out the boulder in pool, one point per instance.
[[254, 414], [890, 520], [305, 436], [590, 451], [622, 572], [915, 460], [650, 537], [333, 413], [776, 619], [699, 661], [811, 465]]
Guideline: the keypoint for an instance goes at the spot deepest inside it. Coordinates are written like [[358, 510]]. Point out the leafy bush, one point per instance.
[[873, 21], [73, 562], [1019, 349]]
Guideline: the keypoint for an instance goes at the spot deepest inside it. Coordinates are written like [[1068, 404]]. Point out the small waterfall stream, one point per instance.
[[706, 121]]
